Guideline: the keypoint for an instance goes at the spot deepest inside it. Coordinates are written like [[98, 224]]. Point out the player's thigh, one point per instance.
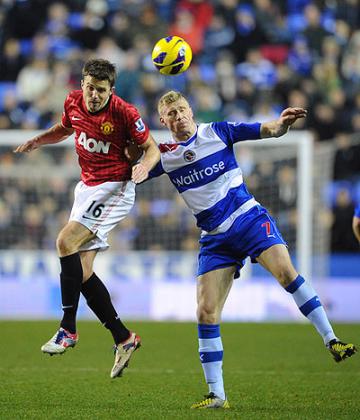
[[72, 237], [276, 260], [213, 288], [87, 262]]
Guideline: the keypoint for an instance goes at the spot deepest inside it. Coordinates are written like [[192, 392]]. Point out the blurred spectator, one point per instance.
[[11, 60], [264, 110], [347, 158], [351, 59], [60, 86], [120, 30], [287, 187], [349, 13], [337, 100], [57, 19], [186, 27], [260, 72], [271, 21], [201, 10], [325, 123], [314, 32], [127, 84], [342, 238], [248, 34], [39, 47], [149, 25], [33, 80], [218, 36], [226, 78], [146, 224], [300, 59], [208, 105], [24, 18], [109, 50], [8, 231], [93, 24], [227, 9], [12, 114]]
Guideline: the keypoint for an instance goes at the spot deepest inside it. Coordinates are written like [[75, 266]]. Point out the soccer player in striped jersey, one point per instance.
[[103, 124], [356, 222], [201, 164]]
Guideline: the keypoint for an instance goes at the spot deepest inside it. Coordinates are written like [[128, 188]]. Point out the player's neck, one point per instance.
[[185, 135]]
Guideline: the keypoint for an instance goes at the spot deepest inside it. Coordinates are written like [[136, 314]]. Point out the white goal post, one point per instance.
[[302, 142]]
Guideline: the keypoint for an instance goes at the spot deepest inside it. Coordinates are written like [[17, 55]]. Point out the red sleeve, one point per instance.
[[138, 130], [65, 120]]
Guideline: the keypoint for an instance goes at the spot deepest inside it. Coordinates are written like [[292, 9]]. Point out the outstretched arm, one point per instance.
[[140, 171], [54, 134], [281, 126]]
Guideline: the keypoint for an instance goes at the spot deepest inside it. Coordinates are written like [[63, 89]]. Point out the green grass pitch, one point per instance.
[[272, 371]]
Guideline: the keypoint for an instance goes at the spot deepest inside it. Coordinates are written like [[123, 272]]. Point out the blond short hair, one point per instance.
[[168, 98]]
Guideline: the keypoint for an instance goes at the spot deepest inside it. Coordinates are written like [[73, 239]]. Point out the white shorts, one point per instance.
[[100, 208]]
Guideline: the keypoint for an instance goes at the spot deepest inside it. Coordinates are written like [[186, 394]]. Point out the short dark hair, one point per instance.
[[100, 69]]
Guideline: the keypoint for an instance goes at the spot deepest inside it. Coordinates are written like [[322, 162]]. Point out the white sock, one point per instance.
[[211, 356], [310, 306]]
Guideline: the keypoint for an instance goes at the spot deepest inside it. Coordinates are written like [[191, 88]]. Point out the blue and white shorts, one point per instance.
[[249, 235]]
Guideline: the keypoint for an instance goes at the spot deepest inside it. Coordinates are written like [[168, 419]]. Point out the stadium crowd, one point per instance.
[[251, 60]]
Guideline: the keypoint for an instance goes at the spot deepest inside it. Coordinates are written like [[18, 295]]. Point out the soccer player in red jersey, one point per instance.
[[103, 124]]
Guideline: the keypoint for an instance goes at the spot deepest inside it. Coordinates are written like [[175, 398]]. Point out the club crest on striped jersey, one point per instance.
[[189, 155], [107, 128]]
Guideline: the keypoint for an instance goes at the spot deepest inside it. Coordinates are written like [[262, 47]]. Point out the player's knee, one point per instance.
[[285, 275], [64, 245], [207, 314]]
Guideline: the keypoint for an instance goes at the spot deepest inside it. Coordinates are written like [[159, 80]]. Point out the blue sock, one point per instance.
[[211, 356], [310, 306]]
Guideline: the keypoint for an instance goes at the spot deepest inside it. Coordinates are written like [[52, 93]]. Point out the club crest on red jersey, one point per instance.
[[107, 128]]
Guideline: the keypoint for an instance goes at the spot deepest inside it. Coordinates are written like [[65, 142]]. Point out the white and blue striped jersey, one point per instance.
[[206, 174]]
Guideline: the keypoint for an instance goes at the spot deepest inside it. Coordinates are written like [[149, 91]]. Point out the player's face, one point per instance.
[[179, 119], [96, 93]]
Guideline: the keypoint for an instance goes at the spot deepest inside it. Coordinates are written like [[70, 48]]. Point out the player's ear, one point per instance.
[[162, 121], [112, 90], [82, 83]]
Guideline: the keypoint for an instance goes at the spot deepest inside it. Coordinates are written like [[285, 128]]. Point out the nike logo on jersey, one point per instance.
[[90, 218], [75, 118]]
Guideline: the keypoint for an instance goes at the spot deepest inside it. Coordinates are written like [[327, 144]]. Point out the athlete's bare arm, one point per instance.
[[281, 126], [140, 171], [54, 134], [356, 227]]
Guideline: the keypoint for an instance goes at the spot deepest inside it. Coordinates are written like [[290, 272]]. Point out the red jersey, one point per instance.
[[101, 137]]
